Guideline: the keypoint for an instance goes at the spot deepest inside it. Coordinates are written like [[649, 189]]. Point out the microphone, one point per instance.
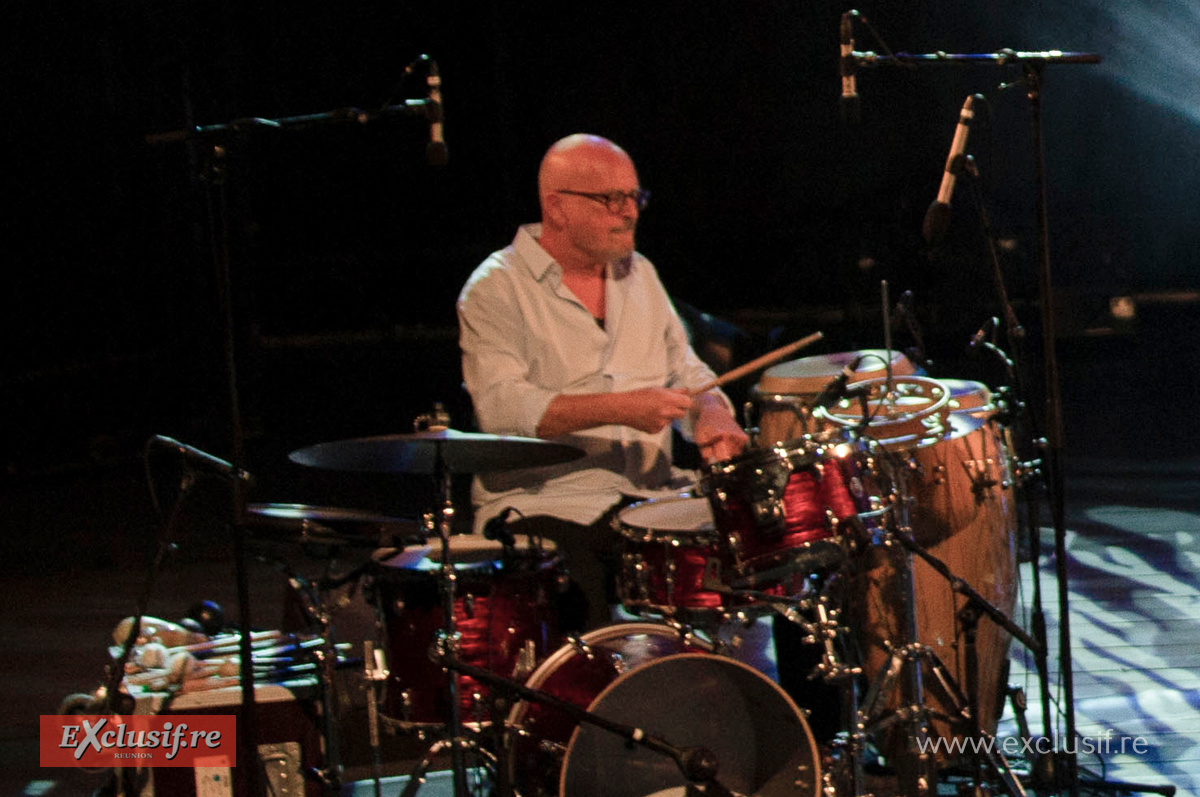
[[836, 389], [851, 111], [497, 529], [435, 150], [202, 460], [937, 218], [984, 331]]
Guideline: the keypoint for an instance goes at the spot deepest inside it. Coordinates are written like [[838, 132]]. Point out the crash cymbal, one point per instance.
[[424, 452], [330, 526]]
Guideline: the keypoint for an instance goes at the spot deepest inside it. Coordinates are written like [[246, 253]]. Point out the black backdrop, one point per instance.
[[348, 249]]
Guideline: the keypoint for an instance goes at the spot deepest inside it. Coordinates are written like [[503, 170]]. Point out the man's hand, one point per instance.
[[716, 432], [651, 409]]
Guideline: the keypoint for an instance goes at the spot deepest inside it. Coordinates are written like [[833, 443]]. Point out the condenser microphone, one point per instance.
[[836, 389], [201, 460], [937, 218], [435, 150], [851, 111]]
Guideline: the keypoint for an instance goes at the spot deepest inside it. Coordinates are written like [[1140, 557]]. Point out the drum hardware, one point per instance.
[[783, 401], [697, 764], [987, 761], [315, 608], [375, 673], [440, 451], [919, 777]]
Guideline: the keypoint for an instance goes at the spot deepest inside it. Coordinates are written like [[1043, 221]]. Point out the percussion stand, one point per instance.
[[921, 778], [315, 609], [976, 607]]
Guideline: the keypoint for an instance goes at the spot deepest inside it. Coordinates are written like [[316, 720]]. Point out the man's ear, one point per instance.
[[553, 213]]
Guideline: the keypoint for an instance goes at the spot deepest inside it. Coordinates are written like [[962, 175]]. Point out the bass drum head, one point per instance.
[[760, 740]]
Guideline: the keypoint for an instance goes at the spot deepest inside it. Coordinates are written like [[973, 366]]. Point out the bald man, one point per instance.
[[568, 334]]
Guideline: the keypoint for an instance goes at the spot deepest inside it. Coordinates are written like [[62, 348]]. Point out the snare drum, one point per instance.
[[783, 509], [783, 396], [668, 545], [652, 676], [504, 610]]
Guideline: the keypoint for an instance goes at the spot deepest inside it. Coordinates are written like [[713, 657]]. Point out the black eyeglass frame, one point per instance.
[[613, 200]]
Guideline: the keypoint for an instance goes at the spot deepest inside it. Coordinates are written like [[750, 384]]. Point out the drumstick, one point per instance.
[[761, 362]]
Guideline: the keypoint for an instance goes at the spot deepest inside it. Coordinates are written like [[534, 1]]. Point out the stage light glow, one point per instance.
[[1149, 48]]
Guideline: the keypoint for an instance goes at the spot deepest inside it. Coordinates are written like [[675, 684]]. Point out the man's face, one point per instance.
[[592, 228]]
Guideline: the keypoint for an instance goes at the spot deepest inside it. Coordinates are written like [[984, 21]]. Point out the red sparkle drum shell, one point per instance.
[[788, 504], [963, 513], [667, 547], [783, 396], [654, 677], [505, 612]]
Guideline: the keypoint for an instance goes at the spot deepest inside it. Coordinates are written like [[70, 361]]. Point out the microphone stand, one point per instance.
[[1033, 64], [698, 764], [214, 175]]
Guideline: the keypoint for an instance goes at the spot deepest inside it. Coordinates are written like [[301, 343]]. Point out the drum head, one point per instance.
[[668, 514], [808, 375], [467, 551], [761, 742]]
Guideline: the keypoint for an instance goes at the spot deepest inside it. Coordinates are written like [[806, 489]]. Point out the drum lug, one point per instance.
[[636, 577], [669, 580], [581, 647], [526, 661], [406, 705]]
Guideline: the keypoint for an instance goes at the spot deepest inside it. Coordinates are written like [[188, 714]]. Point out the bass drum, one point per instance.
[[657, 678], [964, 514]]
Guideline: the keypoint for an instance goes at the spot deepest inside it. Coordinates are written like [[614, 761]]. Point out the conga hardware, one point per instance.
[[949, 472]]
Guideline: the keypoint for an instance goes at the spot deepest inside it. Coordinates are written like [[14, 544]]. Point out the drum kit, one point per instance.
[[877, 519], [872, 514]]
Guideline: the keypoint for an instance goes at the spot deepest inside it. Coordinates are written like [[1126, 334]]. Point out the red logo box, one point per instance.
[[150, 740]]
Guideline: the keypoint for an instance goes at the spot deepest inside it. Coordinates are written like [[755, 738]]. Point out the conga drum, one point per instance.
[[783, 397], [959, 478]]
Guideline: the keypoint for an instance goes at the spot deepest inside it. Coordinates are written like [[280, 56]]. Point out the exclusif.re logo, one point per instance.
[[175, 740]]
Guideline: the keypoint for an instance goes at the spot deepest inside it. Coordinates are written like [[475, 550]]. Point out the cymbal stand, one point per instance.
[[446, 646]]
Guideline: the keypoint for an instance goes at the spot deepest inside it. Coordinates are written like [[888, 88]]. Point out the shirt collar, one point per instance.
[[537, 259]]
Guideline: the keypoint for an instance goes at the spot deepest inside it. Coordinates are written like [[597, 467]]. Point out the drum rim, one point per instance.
[[652, 533], [567, 650]]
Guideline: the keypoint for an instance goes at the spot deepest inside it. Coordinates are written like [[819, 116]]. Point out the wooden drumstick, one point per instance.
[[760, 362]]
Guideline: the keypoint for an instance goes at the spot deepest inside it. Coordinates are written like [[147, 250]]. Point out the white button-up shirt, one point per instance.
[[525, 338]]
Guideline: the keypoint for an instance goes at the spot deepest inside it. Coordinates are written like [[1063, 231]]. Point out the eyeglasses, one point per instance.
[[614, 200]]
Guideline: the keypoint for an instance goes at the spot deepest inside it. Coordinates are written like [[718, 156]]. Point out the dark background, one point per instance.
[[347, 250]]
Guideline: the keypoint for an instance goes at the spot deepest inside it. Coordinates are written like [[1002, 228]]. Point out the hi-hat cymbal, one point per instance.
[[427, 452], [330, 526]]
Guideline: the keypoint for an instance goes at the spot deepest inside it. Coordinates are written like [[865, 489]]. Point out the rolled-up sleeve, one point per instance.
[[493, 336]]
